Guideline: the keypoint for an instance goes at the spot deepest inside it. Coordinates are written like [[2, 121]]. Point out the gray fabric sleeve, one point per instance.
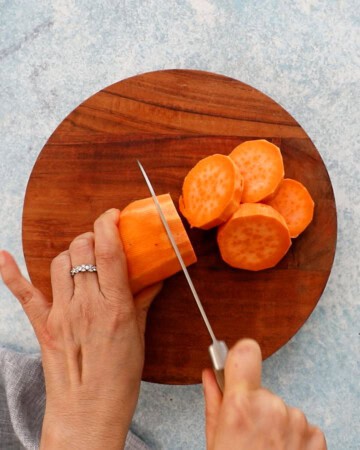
[[22, 403]]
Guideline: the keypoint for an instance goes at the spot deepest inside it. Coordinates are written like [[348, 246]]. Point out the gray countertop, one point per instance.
[[305, 54]]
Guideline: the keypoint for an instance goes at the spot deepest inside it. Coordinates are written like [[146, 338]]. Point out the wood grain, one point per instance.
[[169, 120]]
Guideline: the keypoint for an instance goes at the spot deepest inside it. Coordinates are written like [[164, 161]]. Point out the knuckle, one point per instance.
[[299, 419], [273, 406], [54, 323], [108, 254], [60, 259], [318, 438], [119, 303], [10, 280], [99, 221], [278, 408], [88, 236], [238, 407], [119, 318], [80, 244], [104, 216], [118, 294], [25, 294], [46, 338], [235, 399]]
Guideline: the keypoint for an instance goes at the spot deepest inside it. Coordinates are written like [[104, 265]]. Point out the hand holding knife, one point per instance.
[[218, 349]]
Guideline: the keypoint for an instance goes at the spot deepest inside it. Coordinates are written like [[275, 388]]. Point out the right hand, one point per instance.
[[249, 417]]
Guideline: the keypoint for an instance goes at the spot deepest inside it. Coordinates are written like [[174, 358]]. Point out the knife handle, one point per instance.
[[220, 378], [218, 353]]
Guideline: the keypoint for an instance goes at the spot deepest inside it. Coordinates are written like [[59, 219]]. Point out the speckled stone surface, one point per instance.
[[305, 54]]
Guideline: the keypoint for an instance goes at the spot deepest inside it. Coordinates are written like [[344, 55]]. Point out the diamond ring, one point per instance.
[[83, 268]]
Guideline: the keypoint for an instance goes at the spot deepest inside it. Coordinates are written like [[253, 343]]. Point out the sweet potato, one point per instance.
[[149, 254], [261, 164], [256, 237], [294, 203], [211, 192]]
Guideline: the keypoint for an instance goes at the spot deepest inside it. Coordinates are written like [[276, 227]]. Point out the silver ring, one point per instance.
[[83, 268]]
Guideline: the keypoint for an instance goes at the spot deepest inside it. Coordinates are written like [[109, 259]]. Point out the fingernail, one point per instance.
[[246, 348]]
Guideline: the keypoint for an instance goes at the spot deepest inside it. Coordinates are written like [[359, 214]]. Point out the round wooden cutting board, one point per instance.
[[169, 120]]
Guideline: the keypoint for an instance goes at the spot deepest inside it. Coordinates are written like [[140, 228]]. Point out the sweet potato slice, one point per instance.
[[294, 203], [256, 237], [149, 254], [211, 192], [261, 164]]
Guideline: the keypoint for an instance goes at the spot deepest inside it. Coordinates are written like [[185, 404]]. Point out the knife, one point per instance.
[[218, 349]]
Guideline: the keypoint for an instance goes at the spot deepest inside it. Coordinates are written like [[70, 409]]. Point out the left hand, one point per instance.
[[92, 340]]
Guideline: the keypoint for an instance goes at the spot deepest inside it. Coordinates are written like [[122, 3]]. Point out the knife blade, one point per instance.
[[218, 349]]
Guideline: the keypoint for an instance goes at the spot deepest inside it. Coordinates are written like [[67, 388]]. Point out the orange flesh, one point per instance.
[[261, 164], [295, 204], [211, 192], [149, 254], [256, 237]]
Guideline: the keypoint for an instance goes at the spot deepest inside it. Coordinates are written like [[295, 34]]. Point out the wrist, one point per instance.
[[75, 434]]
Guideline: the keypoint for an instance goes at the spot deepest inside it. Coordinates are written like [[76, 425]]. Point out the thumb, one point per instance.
[[143, 301], [243, 367], [34, 303], [213, 400]]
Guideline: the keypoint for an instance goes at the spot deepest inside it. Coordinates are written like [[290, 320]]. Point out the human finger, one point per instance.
[[61, 281], [82, 252], [111, 260], [298, 428], [213, 399], [316, 439], [243, 366], [143, 301], [34, 303], [270, 411]]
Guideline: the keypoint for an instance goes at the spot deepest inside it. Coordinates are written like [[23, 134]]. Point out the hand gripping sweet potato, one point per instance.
[[293, 201], [149, 254], [261, 164], [256, 237], [211, 192]]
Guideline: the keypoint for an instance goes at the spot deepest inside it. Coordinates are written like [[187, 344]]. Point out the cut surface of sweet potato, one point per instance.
[[256, 237], [211, 192], [261, 164], [293, 201]]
